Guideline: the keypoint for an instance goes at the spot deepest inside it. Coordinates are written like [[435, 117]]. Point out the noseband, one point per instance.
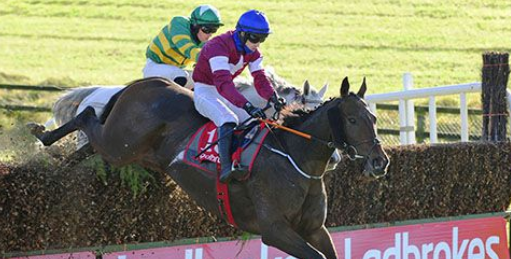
[[304, 100], [351, 150]]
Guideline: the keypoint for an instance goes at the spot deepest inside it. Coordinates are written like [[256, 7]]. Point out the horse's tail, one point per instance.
[[65, 107]]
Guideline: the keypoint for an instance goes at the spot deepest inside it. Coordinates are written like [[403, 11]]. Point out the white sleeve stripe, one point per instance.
[[219, 63], [256, 65]]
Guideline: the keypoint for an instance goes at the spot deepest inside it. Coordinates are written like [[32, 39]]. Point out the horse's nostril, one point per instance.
[[378, 163]]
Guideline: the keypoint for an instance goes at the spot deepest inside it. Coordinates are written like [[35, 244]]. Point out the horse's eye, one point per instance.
[[352, 120]]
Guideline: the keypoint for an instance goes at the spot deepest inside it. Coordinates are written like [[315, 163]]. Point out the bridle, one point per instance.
[[338, 142], [304, 100], [351, 149]]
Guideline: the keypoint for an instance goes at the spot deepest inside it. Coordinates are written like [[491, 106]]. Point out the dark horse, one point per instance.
[[153, 120]]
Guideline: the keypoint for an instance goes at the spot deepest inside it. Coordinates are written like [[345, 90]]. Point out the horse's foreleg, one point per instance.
[[322, 240], [283, 237]]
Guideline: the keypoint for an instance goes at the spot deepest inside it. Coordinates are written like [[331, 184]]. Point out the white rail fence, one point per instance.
[[407, 110]]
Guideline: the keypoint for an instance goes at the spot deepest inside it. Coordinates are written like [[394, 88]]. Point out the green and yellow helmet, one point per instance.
[[206, 15]]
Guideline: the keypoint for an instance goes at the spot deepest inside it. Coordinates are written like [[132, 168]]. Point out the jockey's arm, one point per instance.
[[180, 34], [261, 82], [222, 79]]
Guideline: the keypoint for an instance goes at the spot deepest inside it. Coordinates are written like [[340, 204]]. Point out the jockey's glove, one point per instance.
[[254, 111], [278, 102]]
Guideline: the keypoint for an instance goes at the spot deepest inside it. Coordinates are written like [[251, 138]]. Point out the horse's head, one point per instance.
[[354, 130], [308, 98], [311, 98]]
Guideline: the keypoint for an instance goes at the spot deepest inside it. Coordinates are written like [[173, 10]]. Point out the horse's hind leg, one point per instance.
[[50, 137], [118, 141], [109, 106]]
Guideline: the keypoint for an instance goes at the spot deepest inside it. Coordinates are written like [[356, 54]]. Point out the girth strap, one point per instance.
[[224, 204]]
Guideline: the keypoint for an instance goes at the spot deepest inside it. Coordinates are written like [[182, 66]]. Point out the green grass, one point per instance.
[[104, 41], [72, 43]]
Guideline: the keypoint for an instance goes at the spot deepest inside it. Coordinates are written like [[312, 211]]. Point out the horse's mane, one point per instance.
[[293, 115], [279, 84]]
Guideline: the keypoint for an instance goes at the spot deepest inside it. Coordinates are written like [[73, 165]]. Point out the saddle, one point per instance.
[[246, 144]]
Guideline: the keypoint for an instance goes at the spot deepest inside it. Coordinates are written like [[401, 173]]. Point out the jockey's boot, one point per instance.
[[225, 133]]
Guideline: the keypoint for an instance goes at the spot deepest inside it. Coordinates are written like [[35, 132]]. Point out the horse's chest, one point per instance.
[[311, 213]]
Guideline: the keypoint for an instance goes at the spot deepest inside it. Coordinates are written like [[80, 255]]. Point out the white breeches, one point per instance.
[[212, 105], [167, 71]]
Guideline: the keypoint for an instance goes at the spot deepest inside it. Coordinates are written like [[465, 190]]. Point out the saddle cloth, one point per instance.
[[246, 146]]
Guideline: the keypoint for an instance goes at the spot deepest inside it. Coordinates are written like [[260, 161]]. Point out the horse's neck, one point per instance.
[[313, 155]]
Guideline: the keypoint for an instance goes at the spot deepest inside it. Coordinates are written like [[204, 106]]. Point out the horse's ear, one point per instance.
[[363, 89], [306, 88], [322, 91], [345, 87]]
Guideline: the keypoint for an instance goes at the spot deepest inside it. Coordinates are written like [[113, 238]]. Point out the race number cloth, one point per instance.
[[246, 146]]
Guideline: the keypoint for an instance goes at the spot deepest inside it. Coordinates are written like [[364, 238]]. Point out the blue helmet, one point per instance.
[[254, 21]]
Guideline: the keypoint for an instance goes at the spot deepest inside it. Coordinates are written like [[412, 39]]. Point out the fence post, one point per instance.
[[433, 136], [403, 137], [464, 117], [494, 85], [508, 95], [408, 125]]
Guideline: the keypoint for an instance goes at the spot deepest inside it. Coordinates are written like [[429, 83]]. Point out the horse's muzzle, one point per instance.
[[376, 167]]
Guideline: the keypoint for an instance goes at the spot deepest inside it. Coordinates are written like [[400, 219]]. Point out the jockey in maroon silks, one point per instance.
[[221, 60]]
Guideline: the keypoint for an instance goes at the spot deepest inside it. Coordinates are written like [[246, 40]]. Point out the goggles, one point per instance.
[[209, 29], [256, 38]]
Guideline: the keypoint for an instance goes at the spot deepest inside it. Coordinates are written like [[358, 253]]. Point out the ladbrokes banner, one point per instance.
[[468, 239], [78, 255]]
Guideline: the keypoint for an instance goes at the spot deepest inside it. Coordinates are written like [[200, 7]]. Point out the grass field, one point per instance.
[[72, 43], [84, 42]]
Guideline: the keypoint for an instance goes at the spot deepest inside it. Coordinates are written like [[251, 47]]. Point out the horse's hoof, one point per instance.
[[36, 129]]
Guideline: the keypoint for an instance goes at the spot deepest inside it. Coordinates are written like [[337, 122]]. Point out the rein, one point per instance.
[[304, 174], [350, 150]]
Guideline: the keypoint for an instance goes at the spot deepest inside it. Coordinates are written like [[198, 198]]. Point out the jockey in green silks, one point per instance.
[[178, 45]]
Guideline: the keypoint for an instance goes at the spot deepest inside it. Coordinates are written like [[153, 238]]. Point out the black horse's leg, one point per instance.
[[321, 240], [87, 150], [109, 106], [113, 152], [50, 137], [280, 235]]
